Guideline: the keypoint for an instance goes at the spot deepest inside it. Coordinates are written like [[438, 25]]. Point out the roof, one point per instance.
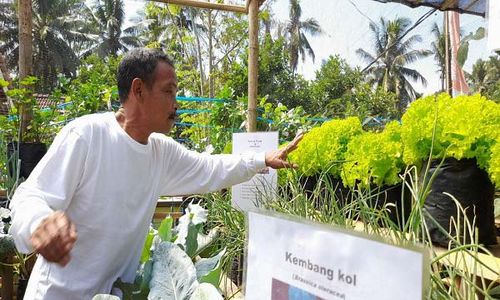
[[44, 100], [474, 7]]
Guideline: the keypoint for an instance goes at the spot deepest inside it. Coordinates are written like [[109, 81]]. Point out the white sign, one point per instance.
[[494, 25], [297, 260], [247, 194]]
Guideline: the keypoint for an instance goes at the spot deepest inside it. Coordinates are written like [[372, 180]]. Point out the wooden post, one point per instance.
[[253, 64], [447, 56], [209, 5], [25, 55]]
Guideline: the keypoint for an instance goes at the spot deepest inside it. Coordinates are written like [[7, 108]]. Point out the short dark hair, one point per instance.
[[138, 63]]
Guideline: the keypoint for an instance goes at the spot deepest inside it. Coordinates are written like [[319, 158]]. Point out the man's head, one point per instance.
[[138, 63], [147, 82]]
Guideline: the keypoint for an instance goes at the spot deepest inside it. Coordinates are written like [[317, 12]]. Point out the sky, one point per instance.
[[345, 25]]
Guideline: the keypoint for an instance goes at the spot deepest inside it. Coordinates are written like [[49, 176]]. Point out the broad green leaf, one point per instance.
[[3, 83], [463, 53], [209, 269], [463, 50], [165, 229], [146, 250], [174, 275], [146, 276], [192, 240], [206, 291], [495, 291]]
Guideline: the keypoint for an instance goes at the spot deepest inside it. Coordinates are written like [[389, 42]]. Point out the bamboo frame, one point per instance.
[[252, 9], [253, 64], [209, 5]]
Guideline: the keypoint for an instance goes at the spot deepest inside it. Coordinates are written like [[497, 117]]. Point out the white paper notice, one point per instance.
[[247, 194], [494, 25], [293, 260]]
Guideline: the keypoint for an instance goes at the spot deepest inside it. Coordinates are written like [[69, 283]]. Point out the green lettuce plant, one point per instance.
[[460, 127], [374, 158], [494, 165], [324, 147]]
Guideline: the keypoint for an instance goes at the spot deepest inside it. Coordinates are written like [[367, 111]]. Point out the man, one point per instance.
[[87, 206]]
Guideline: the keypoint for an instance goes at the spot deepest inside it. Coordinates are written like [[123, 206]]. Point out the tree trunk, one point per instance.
[[25, 56], [198, 50], [386, 81], [210, 57]]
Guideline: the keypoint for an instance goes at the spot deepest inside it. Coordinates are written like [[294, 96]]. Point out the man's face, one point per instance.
[[161, 103]]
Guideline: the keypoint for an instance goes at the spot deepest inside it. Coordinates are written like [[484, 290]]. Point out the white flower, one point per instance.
[[4, 213], [195, 214]]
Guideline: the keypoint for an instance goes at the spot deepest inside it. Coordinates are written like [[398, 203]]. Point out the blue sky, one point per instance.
[[346, 29]]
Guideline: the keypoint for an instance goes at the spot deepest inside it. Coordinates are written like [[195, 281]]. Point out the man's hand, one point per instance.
[[54, 238], [278, 159]]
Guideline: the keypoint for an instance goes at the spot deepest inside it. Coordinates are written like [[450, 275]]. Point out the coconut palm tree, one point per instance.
[[296, 30], [56, 25], [107, 18], [391, 70], [8, 38], [438, 49], [485, 75]]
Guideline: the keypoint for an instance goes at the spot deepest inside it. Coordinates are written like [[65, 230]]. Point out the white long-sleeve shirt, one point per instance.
[[108, 185]]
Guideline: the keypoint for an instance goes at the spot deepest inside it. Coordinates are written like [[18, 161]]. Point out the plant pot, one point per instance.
[[29, 154], [328, 182], [396, 201], [22, 284], [472, 188]]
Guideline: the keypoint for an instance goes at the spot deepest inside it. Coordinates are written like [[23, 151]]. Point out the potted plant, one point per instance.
[[321, 153], [171, 263], [374, 162], [494, 165], [450, 140], [14, 262], [30, 146]]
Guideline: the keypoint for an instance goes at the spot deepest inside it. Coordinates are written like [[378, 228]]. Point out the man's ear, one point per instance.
[[137, 88]]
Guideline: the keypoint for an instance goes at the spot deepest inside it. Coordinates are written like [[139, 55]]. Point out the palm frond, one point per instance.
[[414, 75]]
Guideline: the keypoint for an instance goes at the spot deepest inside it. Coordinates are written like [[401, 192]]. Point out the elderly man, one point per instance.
[[87, 206]]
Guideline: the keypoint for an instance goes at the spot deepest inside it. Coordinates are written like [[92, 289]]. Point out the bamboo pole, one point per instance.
[[209, 5], [447, 56], [253, 64]]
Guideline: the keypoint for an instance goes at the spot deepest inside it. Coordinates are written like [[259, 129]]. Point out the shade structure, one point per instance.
[[474, 7]]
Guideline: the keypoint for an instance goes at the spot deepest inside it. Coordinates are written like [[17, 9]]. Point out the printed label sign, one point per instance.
[[247, 194], [494, 26], [288, 259]]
